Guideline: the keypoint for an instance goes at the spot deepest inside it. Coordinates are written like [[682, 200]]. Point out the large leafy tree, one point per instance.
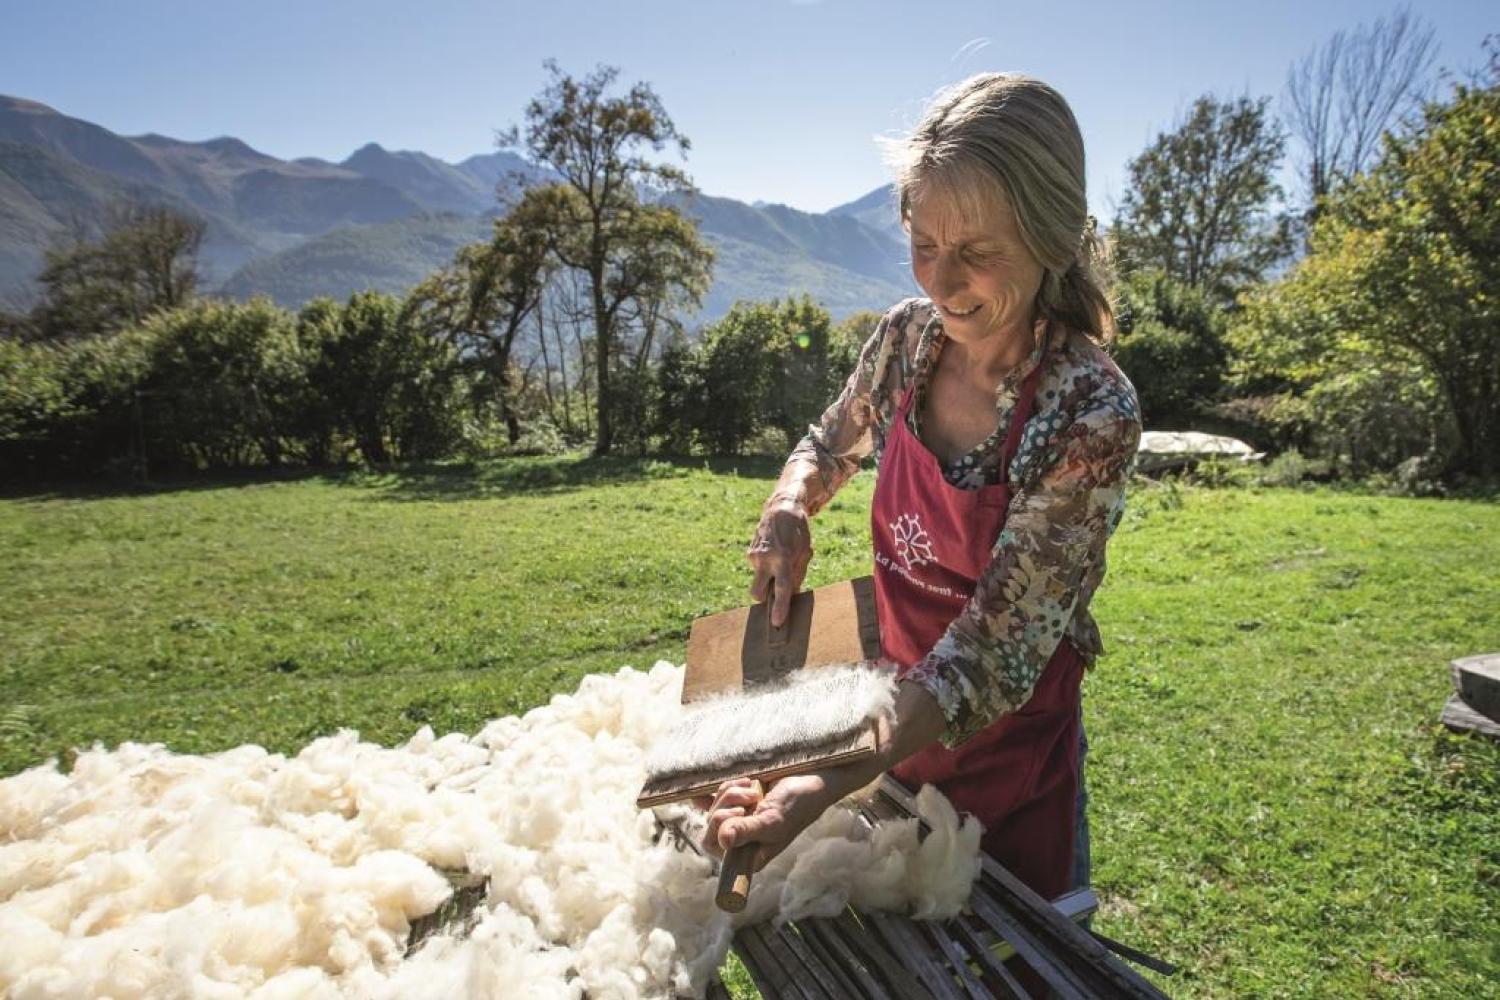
[[1201, 198], [483, 299], [1404, 276], [632, 252]]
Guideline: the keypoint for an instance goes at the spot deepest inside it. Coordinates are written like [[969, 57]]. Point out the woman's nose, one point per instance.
[[947, 276]]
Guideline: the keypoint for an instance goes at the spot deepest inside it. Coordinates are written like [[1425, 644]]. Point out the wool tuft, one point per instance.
[[144, 873]]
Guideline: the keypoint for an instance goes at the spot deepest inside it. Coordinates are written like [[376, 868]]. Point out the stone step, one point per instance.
[[1477, 681]]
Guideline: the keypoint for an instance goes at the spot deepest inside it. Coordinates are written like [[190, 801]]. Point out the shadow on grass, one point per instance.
[[106, 487], [546, 475], [422, 481]]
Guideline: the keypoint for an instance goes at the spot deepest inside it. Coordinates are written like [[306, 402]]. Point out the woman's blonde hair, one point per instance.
[[1004, 139]]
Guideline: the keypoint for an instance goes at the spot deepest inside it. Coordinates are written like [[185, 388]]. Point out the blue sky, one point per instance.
[[781, 98]]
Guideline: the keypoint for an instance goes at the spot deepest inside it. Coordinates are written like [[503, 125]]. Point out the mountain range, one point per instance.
[[296, 229]]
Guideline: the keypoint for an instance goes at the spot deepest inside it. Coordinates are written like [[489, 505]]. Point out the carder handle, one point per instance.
[[734, 878], [735, 872]]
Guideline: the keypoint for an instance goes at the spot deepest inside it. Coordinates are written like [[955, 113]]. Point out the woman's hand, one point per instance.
[[779, 554], [772, 820]]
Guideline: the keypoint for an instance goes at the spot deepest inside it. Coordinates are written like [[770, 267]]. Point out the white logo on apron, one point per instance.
[[912, 542]]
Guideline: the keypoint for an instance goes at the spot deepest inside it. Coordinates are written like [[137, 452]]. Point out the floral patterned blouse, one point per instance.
[[1067, 483]]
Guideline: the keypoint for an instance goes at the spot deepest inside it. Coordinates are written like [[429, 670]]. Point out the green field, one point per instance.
[[1274, 808]]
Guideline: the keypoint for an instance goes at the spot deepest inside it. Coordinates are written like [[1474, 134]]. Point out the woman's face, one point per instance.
[[977, 271]]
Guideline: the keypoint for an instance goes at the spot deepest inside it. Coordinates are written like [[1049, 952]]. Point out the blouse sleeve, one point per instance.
[[990, 657], [831, 452]]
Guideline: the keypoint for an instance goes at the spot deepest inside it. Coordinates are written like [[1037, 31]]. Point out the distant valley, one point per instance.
[[296, 229]]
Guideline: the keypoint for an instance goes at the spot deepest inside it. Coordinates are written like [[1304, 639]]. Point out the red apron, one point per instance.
[[1018, 776]]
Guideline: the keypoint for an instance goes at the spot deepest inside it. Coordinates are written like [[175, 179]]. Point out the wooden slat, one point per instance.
[[908, 942], [902, 982], [884, 956], [1007, 926], [1139, 957], [832, 937], [456, 914], [769, 976], [956, 957], [848, 985], [1065, 981], [817, 974], [992, 964], [1067, 938], [1075, 906]]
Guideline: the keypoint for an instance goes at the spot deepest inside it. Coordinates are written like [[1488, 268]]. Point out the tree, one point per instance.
[[599, 225], [734, 375], [1199, 202], [482, 300], [1403, 278], [797, 357], [845, 342], [145, 262], [1343, 96]]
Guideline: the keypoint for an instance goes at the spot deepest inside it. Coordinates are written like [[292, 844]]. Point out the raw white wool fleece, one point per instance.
[[810, 708], [143, 873]]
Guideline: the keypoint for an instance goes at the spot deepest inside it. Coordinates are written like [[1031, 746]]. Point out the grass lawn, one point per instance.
[[1273, 805]]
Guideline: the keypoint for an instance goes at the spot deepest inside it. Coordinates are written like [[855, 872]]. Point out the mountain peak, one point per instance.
[[21, 104], [228, 144]]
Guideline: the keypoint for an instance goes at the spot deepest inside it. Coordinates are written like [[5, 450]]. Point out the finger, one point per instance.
[[799, 570], [743, 798], [785, 588], [722, 816], [763, 576], [732, 786], [739, 830], [711, 833]]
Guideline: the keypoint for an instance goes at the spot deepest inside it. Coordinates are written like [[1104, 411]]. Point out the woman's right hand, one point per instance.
[[779, 554]]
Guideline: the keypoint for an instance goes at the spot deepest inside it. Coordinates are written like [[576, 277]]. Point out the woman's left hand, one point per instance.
[[772, 820]]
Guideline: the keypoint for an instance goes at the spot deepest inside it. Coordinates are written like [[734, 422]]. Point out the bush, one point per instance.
[[222, 383], [1171, 345], [379, 381], [1290, 468], [71, 407], [763, 368]]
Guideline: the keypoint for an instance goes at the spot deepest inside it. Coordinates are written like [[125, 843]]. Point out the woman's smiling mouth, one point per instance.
[[959, 313]]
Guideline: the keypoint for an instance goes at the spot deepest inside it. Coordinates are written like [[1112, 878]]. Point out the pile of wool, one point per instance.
[[146, 873]]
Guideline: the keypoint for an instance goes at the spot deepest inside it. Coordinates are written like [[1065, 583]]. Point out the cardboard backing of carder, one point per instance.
[[739, 649]]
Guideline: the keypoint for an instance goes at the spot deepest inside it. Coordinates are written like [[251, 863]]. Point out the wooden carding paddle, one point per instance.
[[739, 650]]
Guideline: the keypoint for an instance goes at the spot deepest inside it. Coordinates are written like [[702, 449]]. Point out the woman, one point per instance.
[[1003, 435]]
